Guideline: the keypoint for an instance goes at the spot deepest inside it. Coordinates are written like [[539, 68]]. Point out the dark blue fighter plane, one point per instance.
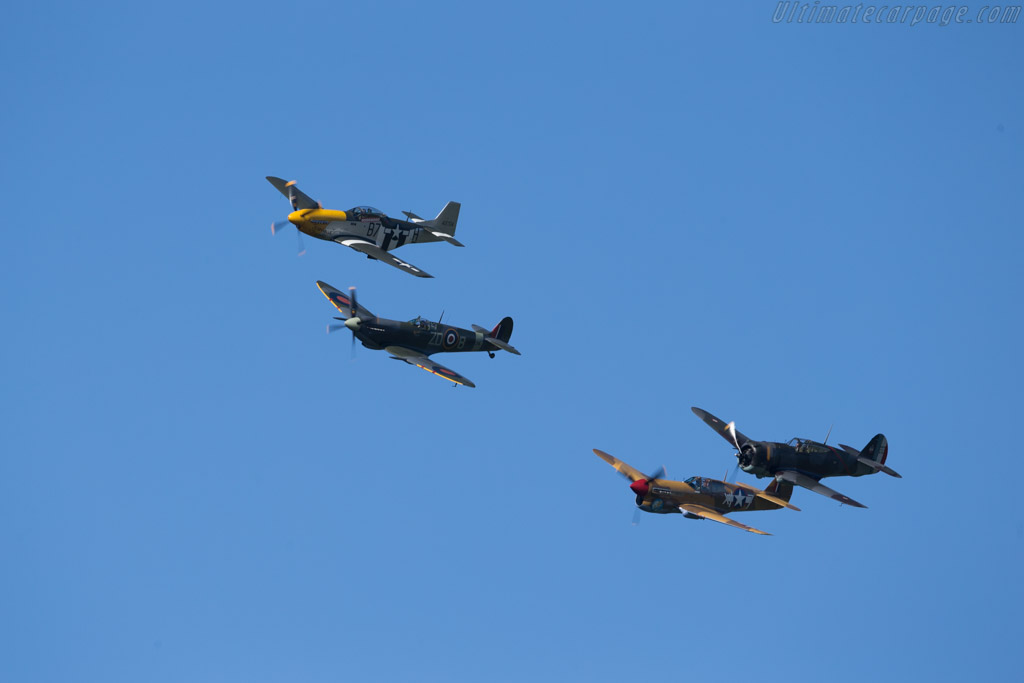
[[802, 461], [414, 341]]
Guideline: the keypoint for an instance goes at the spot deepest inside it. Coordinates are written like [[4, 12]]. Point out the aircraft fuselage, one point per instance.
[[810, 458], [333, 226], [665, 497], [424, 336]]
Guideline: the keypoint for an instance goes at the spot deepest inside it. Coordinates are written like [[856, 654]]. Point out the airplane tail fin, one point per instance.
[[447, 219], [502, 330], [441, 228], [780, 489], [499, 336], [877, 449]]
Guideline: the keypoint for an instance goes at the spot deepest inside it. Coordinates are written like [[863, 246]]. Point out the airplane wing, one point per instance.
[[812, 484], [299, 199], [625, 470], [342, 302], [435, 369], [376, 252], [718, 426], [708, 513]]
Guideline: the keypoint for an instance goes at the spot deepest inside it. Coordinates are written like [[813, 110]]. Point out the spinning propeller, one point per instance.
[[352, 322], [641, 487], [278, 226], [745, 452]]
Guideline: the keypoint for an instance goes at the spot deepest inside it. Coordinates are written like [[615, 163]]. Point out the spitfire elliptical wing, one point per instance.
[[707, 513], [625, 470], [812, 484], [434, 368], [383, 256], [719, 426], [343, 303]]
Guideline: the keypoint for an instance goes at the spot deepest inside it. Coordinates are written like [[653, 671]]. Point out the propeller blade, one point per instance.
[[735, 471], [278, 226], [731, 428], [658, 474], [291, 196], [302, 248], [334, 328], [352, 349], [352, 311], [636, 516]]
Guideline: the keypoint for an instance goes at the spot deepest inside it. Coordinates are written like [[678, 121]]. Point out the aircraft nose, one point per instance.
[[295, 217], [640, 487]]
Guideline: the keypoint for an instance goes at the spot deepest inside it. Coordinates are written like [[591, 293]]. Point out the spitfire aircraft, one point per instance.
[[801, 461], [416, 340], [364, 228], [699, 497]]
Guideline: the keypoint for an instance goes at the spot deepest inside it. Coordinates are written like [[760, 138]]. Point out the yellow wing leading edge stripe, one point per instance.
[[441, 372]]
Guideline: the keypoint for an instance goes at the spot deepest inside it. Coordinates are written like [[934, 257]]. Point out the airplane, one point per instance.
[[802, 461], [700, 497], [416, 340], [364, 228]]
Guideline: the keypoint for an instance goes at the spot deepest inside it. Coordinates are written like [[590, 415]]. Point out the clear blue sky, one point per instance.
[[680, 204]]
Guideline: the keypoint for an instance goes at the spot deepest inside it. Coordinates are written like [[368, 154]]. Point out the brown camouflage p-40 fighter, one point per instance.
[[700, 497]]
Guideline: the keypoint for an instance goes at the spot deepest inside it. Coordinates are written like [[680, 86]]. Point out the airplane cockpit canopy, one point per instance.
[[361, 212], [705, 485], [806, 446], [418, 321]]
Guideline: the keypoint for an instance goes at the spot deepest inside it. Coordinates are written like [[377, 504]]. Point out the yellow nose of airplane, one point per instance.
[[295, 217]]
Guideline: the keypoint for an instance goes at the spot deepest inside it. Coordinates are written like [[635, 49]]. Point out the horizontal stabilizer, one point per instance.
[[879, 467], [497, 342], [502, 345], [447, 238], [769, 497], [412, 217]]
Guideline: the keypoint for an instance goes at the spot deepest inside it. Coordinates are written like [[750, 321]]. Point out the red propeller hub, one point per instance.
[[640, 487]]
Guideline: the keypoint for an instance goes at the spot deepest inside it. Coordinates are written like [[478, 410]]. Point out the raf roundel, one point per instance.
[[340, 301], [451, 338]]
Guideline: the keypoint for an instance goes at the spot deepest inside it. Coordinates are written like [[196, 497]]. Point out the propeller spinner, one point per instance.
[[641, 487]]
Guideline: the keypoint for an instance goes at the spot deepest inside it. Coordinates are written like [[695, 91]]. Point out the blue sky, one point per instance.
[[791, 226]]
